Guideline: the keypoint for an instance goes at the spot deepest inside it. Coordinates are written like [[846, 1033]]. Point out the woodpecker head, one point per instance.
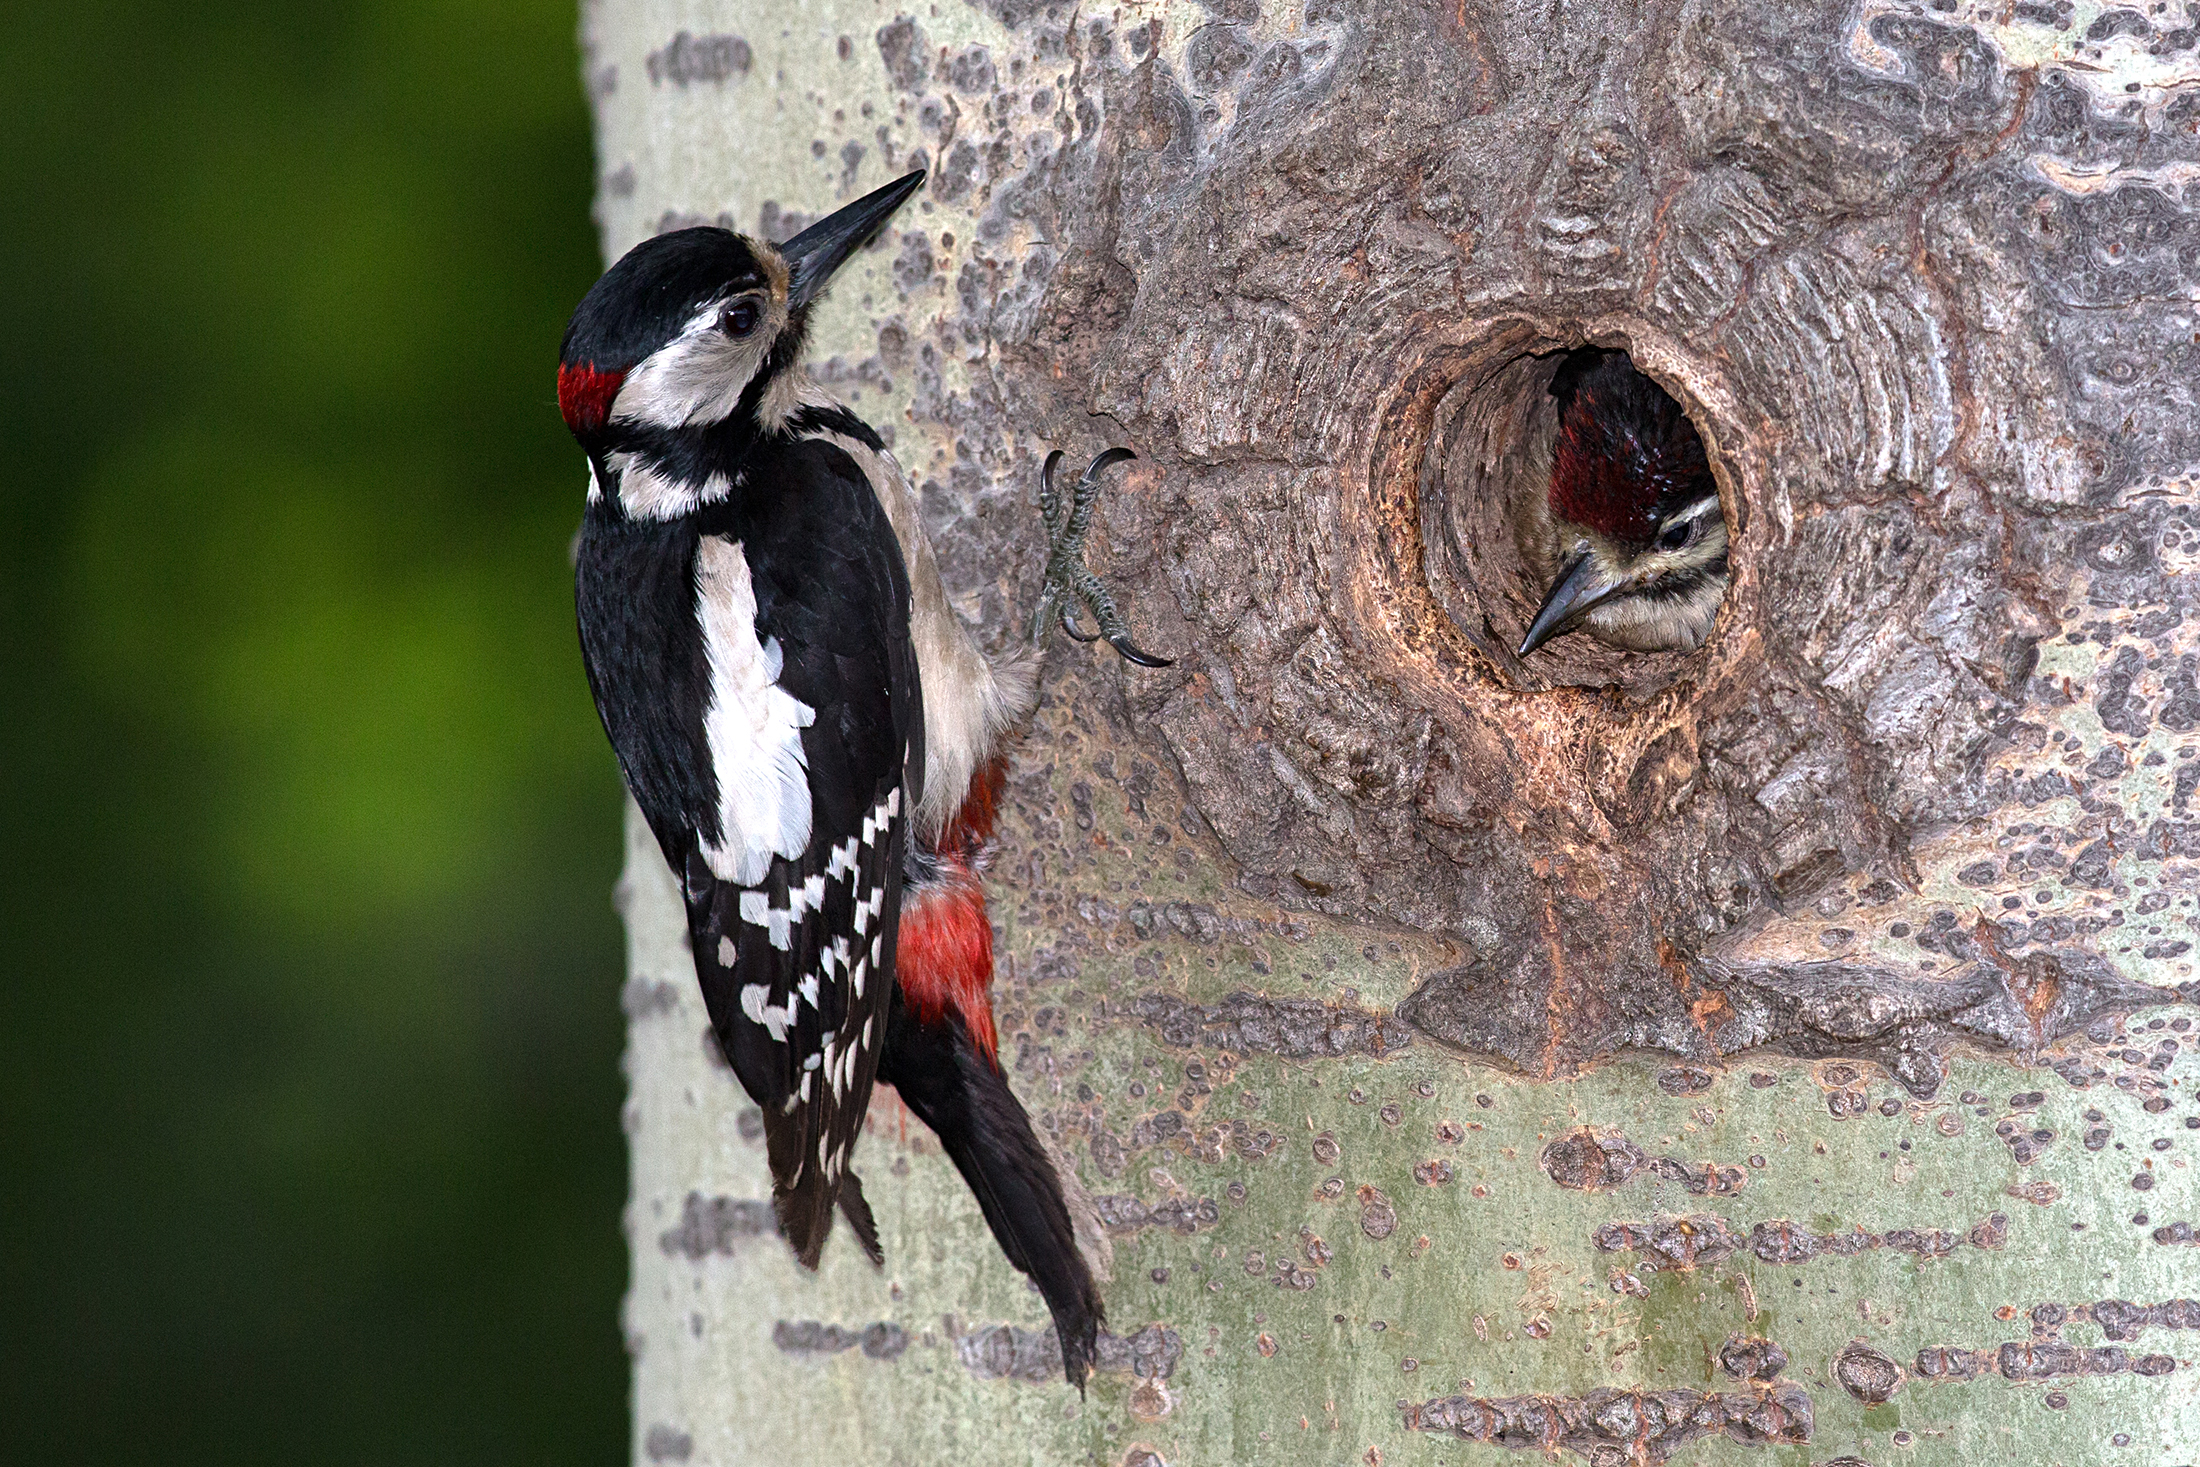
[[1641, 541], [687, 349]]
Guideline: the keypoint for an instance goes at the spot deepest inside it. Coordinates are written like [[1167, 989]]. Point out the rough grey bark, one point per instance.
[[1774, 1046]]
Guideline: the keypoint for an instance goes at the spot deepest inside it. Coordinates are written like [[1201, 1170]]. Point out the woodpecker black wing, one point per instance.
[[774, 778], [801, 1006]]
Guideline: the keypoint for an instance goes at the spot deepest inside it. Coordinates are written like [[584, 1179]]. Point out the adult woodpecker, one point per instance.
[[807, 726], [1630, 537]]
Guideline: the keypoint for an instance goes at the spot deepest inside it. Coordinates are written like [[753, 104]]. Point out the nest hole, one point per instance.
[[1490, 558]]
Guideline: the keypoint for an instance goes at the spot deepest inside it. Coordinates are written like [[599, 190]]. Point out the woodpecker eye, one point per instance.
[[1676, 535], [740, 318]]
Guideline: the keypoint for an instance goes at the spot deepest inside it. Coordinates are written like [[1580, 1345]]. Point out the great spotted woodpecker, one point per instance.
[[807, 725], [1629, 538]]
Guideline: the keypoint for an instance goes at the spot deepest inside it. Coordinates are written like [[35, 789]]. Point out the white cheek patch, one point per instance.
[[753, 728], [698, 377]]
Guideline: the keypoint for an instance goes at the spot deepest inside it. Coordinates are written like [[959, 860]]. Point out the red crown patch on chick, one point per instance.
[[1626, 453]]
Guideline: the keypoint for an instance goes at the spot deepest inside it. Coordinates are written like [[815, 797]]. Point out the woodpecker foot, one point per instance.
[[1069, 584]]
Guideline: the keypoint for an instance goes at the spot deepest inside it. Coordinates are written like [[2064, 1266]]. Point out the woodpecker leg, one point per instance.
[[1069, 584]]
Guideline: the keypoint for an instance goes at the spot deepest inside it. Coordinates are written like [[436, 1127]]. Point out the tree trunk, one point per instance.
[[1779, 1047]]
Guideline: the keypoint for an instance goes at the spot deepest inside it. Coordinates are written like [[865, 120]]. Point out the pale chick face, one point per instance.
[[1636, 526], [1657, 597]]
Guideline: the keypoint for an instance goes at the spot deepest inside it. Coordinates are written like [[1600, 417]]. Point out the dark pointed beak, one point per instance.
[[1583, 587], [813, 255]]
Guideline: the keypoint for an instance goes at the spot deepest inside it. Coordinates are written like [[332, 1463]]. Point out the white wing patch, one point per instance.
[[756, 1003], [753, 727]]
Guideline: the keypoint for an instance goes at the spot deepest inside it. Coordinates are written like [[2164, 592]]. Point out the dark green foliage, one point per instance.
[[309, 1025]]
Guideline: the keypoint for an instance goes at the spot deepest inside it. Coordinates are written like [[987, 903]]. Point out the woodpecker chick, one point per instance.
[[1631, 534], [808, 727]]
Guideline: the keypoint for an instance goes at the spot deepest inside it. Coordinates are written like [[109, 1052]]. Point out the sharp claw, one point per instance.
[[1102, 463], [1050, 499], [1069, 624], [1132, 653]]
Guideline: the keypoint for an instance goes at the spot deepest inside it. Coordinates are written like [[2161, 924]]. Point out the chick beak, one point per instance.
[[1583, 586], [813, 255]]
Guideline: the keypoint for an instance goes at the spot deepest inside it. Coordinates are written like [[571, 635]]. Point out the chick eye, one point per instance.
[[1676, 535], [740, 318]]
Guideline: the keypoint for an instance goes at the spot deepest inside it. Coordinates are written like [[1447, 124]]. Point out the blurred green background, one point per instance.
[[309, 1089]]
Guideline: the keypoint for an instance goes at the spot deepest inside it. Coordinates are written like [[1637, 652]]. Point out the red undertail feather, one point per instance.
[[585, 394], [944, 955], [972, 828]]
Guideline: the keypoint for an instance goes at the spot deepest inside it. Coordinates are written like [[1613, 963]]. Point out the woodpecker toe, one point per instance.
[[1070, 585], [1077, 633]]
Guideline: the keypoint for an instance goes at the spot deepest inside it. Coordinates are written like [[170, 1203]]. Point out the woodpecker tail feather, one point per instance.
[[958, 1092], [1093, 1242]]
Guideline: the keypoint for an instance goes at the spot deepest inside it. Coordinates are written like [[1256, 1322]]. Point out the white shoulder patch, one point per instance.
[[753, 726]]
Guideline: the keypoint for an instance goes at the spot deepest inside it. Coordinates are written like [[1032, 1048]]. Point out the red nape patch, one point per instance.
[[585, 394], [943, 958], [972, 827]]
